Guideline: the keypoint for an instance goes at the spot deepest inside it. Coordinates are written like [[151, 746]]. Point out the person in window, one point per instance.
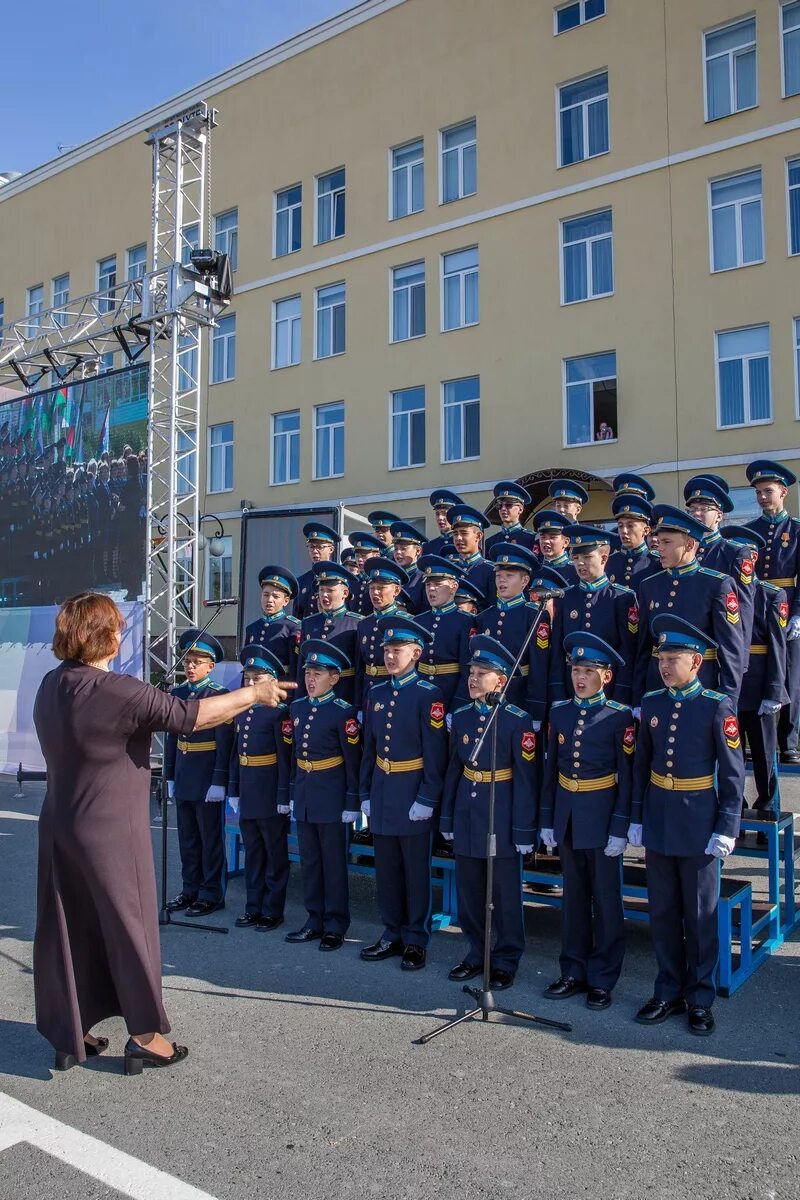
[[605, 433]]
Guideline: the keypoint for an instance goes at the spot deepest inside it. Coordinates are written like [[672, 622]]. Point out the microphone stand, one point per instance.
[[165, 917], [483, 995]]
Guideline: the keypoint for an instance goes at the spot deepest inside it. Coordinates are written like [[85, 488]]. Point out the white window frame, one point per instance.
[[567, 445], [290, 321], [227, 336], [392, 466], [796, 345], [187, 244], [600, 237], [228, 236], [583, 21], [219, 446], [460, 149], [743, 358], [737, 205], [2, 315], [131, 250], [394, 291], [790, 187], [289, 208], [339, 191], [273, 435], [211, 560], [585, 120], [443, 406], [781, 34], [59, 298], [34, 308], [323, 288], [731, 72], [107, 303], [408, 168], [462, 289], [315, 468]]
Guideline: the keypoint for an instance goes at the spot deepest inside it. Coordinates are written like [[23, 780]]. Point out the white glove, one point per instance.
[[215, 794], [283, 810], [234, 803], [637, 714], [419, 812], [537, 725], [794, 629], [524, 849], [449, 721], [635, 835], [548, 836], [349, 817], [448, 837], [35, 554], [768, 708], [170, 789], [360, 715], [719, 845], [615, 846], [365, 808]]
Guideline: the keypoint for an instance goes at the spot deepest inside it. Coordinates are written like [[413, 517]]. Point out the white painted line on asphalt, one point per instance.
[[114, 1168], [9, 815]]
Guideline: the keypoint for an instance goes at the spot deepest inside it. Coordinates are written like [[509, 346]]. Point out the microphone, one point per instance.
[[548, 593], [231, 600]]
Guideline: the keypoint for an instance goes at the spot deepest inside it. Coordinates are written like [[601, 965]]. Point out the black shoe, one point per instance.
[[201, 908], [792, 757], [362, 837], [701, 1020], [381, 949], [464, 971], [762, 839], [246, 920], [414, 958], [564, 987], [656, 1011], [303, 935], [93, 1051], [500, 980], [137, 1057], [598, 998], [331, 941], [180, 902], [267, 924]]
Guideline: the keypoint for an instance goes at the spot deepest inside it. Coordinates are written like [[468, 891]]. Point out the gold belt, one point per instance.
[[347, 672], [671, 783], [319, 764], [781, 582], [189, 747], [257, 760], [587, 785], [439, 668], [370, 670], [708, 655], [391, 766], [486, 776], [759, 649]]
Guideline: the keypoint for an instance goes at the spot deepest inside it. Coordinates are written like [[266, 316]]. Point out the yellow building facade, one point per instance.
[[475, 239]]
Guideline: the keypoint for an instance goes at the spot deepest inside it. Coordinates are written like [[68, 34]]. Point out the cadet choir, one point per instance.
[[624, 722]]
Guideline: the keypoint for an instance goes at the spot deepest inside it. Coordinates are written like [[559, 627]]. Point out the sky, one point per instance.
[[71, 69]]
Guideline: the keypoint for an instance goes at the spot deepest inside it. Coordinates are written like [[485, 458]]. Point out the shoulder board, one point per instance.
[[293, 620], [515, 712], [714, 574], [560, 703], [714, 695], [795, 520], [619, 707], [377, 687], [300, 700], [216, 687], [341, 703], [620, 587], [657, 692], [430, 686], [770, 587], [348, 613], [462, 708]]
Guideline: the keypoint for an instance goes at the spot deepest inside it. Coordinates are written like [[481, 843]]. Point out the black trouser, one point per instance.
[[682, 899], [403, 883], [323, 857], [789, 720], [201, 836], [761, 734], [507, 920], [592, 921], [266, 864]]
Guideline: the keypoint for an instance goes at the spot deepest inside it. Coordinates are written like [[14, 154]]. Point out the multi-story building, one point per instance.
[[475, 239]]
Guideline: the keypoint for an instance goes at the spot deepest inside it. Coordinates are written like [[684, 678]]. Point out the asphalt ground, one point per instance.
[[303, 1082]]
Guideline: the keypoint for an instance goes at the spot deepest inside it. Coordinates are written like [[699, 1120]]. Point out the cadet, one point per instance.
[[442, 501], [594, 605], [445, 659], [468, 526], [347, 558], [385, 578], [585, 810], [687, 822], [382, 522], [333, 623], [780, 565], [366, 546], [464, 820], [764, 685], [468, 598], [258, 789], [553, 531], [633, 562], [511, 500], [509, 620], [196, 771], [402, 773], [707, 499], [327, 747], [636, 484], [277, 630], [709, 597], [321, 541], [568, 497], [407, 541]]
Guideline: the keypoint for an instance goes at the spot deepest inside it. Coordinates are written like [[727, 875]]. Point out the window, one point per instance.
[[737, 233], [220, 457], [223, 349], [190, 240], [408, 179], [590, 399], [587, 259], [329, 440], [461, 419], [286, 447], [330, 324], [743, 384], [187, 360], [408, 302], [460, 288], [793, 201], [107, 279], [407, 433], [60, 298], [459, 162], [186, 463], [226, 235], [330, 206], [219, 572], [35, 306], [2, 316], [136, 262], [583, 119], [790, 47], [797, 364], [288, 220], [731, 83], [105, 362], [569, 16], [286, 332]]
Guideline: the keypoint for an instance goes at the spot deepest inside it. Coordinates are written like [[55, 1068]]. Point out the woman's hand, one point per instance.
[[271, 691]]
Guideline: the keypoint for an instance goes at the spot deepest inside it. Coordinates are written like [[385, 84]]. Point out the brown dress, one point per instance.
[[96, 952]]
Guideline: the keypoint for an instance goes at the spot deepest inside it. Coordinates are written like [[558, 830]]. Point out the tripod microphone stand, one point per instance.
[[485, 1001]]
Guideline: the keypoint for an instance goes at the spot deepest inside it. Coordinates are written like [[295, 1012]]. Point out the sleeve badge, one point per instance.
[[543, 635], [286, 730], [633, 619], [746, 571], [352, 730], [629, 740], [437, 714], [730, 728], [732, 607], [783, 613], [529, 745]]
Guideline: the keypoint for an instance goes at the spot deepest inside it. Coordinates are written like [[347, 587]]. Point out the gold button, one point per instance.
[[673, 727], [478, 776], [670, 739], [243, 760], [572, 785]]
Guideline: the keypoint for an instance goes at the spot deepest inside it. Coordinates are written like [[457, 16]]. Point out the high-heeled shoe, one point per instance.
[[65, 1061], [138, 1057]]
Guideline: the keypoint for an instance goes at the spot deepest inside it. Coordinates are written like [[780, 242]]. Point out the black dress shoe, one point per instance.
[[246, 920], [303, 935], [598, 998], [381, 949], [180, 902], [267, 924], [414, 958], [656, 1011], [201, 908], [137, 1057], [499, 980], [701, 1020], [464, 971], [790, 756], [362, 837], [564, 987], [331, 941]]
